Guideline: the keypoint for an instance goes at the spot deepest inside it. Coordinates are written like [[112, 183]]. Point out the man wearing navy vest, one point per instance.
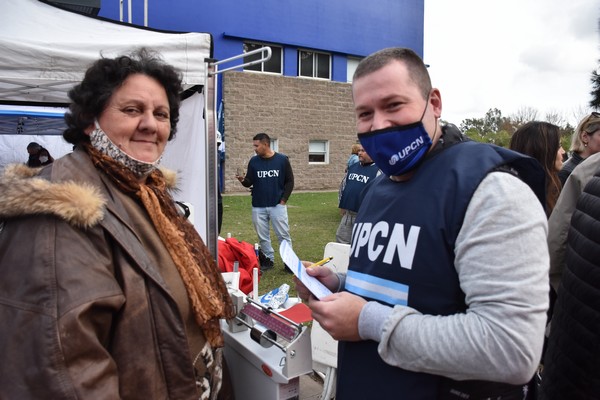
[[272, 180], [355, 181], [447, 285]]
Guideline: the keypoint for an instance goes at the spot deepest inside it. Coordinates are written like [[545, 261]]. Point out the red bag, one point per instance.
[[231, 250]]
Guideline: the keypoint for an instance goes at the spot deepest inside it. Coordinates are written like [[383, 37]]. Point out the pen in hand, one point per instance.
[[323, 261]]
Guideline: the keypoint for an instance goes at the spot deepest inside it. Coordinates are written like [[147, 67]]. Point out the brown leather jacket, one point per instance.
[[84, 311]]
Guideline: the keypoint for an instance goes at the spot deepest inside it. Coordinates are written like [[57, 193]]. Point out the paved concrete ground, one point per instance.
[[311, 387]]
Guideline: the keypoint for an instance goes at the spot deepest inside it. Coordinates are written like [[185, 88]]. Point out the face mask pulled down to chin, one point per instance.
[[101, 142]]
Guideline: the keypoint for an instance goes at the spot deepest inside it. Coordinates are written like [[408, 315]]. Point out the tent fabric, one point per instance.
[[45, 50], [13, 148], [184, 154], [22, 125], [31, 120]]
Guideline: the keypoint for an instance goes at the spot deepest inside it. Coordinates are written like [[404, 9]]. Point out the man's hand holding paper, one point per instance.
[[337, 313], [314, 286]]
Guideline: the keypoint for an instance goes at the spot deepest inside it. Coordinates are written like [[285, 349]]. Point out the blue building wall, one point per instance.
[[340, 27]]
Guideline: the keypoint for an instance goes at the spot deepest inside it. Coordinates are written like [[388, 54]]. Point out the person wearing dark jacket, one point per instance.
[[446, 291], [38, 155], [107, 292], [572, 360], [355, 181]]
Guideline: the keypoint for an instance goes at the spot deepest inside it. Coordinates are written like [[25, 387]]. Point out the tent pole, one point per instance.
[[145, 12], [129, 11], [210, 120], [121, 10]]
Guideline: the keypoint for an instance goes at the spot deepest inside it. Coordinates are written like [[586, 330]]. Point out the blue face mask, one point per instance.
[[399, 149]]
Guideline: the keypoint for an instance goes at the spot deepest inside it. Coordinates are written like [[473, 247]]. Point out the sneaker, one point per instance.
[[266, 265]]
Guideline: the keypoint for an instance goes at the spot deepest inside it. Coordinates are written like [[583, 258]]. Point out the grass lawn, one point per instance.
[[313, 218]]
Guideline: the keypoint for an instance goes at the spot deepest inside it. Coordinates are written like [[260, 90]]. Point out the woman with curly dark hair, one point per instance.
[[541, 140], [107, 291]]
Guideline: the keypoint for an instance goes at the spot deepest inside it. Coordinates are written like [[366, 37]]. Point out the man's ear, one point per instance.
[[435, 101]]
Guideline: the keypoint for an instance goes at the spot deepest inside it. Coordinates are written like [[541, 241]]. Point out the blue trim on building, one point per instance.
[[347, 27], [340, 27]]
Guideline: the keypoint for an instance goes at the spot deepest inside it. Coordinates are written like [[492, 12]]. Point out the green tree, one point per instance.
[[500, 138], [493, 120], [566, 133], [473, 134], [495, 129], [472, 127], [595, 102], [491, 123]]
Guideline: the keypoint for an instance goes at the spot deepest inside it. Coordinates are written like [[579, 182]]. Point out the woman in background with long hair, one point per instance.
[[541, 140]]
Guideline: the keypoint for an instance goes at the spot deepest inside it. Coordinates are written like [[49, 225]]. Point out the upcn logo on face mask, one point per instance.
[[405, 152]]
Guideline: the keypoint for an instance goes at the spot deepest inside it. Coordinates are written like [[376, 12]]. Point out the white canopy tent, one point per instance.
[[45, 51]]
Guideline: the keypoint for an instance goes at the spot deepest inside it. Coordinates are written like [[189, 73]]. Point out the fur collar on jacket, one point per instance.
[[24, 192]]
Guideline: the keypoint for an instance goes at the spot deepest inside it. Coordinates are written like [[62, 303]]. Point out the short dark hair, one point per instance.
[[263, 137], [416, 68], [34, 146], [89, 98]]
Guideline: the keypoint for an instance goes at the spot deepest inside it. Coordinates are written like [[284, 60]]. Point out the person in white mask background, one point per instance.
[[38, 156], [447, 285], [107, 291]]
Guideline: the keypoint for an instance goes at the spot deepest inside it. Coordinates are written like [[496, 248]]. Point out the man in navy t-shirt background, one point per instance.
[[272, 180], [356, 180]]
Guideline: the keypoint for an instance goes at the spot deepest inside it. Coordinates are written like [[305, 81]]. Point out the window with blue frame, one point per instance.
[[273, 65], [314, 64]]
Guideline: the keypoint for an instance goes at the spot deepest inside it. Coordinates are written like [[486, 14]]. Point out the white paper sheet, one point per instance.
[[293, 262]]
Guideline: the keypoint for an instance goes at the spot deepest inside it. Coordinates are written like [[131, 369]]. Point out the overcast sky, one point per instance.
[[510, 54]]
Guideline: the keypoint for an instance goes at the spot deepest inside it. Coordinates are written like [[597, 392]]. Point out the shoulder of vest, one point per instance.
[[501, 159]]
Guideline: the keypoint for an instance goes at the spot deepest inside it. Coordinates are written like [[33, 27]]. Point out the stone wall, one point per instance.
[[292, 110]]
